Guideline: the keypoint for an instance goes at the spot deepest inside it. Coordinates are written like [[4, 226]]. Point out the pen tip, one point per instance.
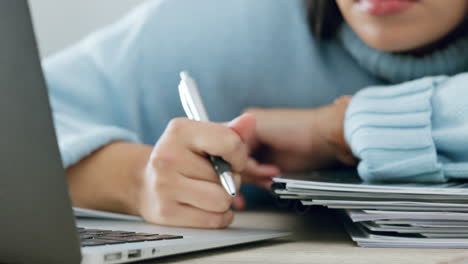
[[228, 183]]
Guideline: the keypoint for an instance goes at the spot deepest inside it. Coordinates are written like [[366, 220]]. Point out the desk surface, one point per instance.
[[317, 237]]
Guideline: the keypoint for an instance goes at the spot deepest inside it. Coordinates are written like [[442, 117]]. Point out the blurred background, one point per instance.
[[60, 23]]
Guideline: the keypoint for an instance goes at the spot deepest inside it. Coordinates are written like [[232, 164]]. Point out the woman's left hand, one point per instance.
[[296, 140], [301, 139]]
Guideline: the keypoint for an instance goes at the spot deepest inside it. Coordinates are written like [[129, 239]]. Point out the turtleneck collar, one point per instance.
[[397, 68]]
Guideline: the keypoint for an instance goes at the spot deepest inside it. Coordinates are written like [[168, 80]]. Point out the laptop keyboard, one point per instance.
[[99, 237]]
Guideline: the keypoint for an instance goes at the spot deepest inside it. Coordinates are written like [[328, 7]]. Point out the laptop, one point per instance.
[[38, 225]]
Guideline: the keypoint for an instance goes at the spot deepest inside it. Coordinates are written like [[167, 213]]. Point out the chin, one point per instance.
[[403, 25], [394, 39], [390, 43]]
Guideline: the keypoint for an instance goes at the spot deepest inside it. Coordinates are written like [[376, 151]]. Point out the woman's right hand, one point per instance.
[[179, 186]]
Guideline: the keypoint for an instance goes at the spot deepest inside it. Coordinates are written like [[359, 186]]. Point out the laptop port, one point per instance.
[[113, 256], [136, 253]]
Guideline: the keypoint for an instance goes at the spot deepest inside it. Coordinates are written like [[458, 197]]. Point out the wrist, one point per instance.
[[332, 130], [110, 178], [135, 183]]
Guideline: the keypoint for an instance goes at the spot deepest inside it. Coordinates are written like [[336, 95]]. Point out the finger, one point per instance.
[[263, 183], [176, 157], [239, 202], [210, 138], [260, 174], [244, 126], [196, 166], [345, 99], [266, 184], [237, 181], [255, 170], [347, 159], [188, 216], [204, 195]]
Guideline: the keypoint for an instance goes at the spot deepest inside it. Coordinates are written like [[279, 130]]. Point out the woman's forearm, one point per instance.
[[108, 179]]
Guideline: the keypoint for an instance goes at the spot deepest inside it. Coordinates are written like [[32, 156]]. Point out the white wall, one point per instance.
[[59, 23]]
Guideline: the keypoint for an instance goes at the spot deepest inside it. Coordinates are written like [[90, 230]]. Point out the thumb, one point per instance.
[[244, 126]]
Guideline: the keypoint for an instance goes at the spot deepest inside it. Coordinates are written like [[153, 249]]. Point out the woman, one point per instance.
[[114, 96]]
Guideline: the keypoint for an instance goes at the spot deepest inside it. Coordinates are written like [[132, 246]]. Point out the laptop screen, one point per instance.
[[36, 214]]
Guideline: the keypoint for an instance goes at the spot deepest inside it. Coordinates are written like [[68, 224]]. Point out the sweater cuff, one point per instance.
[[389, 129]]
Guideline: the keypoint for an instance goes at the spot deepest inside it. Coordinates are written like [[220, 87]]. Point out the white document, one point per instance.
[[367, 239], [389, 205], [386, 215], [445, 236], [371, 215], [348, 181], [413, 230], [400, 208], [336, 195], [386, 203], [423, 223]]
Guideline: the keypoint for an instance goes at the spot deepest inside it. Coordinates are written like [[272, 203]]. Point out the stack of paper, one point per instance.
[[386, 215]]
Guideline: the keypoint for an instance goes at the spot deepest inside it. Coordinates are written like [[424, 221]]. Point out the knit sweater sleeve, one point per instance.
[[411, 132], [93, 87]]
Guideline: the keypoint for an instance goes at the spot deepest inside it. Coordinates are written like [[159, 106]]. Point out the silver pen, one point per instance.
[[195, 110]]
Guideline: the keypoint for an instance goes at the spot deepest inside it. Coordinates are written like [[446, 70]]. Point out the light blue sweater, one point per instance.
[[120, 84]]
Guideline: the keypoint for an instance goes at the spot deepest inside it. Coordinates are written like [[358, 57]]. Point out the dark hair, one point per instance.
[[324, 17]]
